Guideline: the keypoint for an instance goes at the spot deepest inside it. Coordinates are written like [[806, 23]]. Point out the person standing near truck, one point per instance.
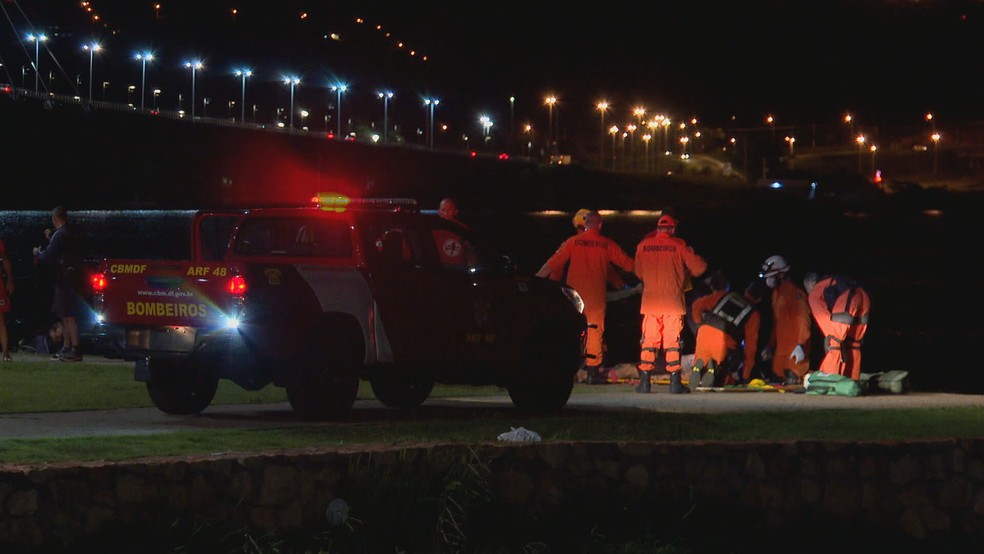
[[64, 254], [664, 264], [588, 255]]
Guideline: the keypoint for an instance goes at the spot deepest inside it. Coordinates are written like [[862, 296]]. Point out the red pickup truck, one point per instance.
[[314, 299]]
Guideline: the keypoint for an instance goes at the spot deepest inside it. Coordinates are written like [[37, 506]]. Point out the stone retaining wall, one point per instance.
[[923, 490]]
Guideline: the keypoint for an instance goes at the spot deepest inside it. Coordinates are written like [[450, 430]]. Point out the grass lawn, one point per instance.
[[43, 386]]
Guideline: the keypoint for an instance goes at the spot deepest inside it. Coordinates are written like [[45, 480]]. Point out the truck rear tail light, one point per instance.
[[236, 285], [98, 282]]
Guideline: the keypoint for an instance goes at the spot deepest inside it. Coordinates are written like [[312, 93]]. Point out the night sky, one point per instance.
[[801, 61]]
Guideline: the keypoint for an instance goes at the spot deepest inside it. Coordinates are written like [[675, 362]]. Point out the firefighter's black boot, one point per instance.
[[676, 384], [694, 381], [645, 385], [594, 375], [708, 379]]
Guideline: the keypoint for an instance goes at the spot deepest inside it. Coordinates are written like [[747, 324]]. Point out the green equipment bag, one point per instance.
[[827, 383], [894, 381]]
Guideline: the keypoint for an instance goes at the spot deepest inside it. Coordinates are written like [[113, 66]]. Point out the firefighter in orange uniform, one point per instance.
[[664, 263], [840, 307], [727, 322], [615, 279], [789, 342], [589, 254]]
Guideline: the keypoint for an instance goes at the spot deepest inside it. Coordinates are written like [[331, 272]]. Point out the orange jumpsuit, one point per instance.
[[590, 254], [790, 327], [843, 321], [664, 263], [714, 343]]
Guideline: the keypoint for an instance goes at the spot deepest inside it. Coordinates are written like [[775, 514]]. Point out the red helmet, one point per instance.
[[666, 221]]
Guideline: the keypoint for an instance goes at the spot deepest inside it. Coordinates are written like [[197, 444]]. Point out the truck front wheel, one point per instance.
[[181, 388], [401, 388], [545, 381], [327, 383]]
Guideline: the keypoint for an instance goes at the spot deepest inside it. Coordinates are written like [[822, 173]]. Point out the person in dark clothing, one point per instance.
[[64, 253]]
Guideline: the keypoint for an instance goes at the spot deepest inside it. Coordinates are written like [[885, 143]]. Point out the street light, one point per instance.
[[194, 65], [936, 150], [874, 168], [791, 141], [243, 72], [292, 81], [550, 101], [770, 121], [92, 48], [860, 140], [386, 95], [339, 88], [431, 102], [512, 123], [486, 123], [602, 107], [144, 57], [614, 132], [37, 39]]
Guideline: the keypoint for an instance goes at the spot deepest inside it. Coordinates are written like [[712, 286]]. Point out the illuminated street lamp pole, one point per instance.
[[771, 122], [613, 130], [860, 140], [144, 57], [195, 65], [430, 103], [92, 48], [874, 168], [936, 150], [602, 107], [791, 141], [550, 101], [243, 73], [385, 95], [37, 39], [512, 123], [292, 81], [339, 88], [486, 123]]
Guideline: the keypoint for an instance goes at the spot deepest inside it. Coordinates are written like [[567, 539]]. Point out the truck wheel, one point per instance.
[[178, 388], [327, 384], [545, 379], [400, 387]]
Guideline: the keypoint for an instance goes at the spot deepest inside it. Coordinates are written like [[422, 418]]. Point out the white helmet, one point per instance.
[[774, 265]]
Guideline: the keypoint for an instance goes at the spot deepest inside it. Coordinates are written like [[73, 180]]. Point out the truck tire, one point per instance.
[[401, 388], [181, 387], [327, 383], [545, 380]]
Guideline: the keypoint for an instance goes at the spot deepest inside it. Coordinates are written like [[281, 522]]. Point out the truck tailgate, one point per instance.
[[166, 293]]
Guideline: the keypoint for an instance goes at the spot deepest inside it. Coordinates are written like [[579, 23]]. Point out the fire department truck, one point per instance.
[[317, 298]]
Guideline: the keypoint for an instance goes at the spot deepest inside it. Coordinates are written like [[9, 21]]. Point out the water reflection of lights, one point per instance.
[[604, 213]]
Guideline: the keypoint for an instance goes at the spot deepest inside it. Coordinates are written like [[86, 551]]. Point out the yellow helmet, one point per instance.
[[579, 218]]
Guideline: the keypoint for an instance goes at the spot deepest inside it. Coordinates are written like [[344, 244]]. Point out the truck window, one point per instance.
[[304, 237], [214, 233]]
